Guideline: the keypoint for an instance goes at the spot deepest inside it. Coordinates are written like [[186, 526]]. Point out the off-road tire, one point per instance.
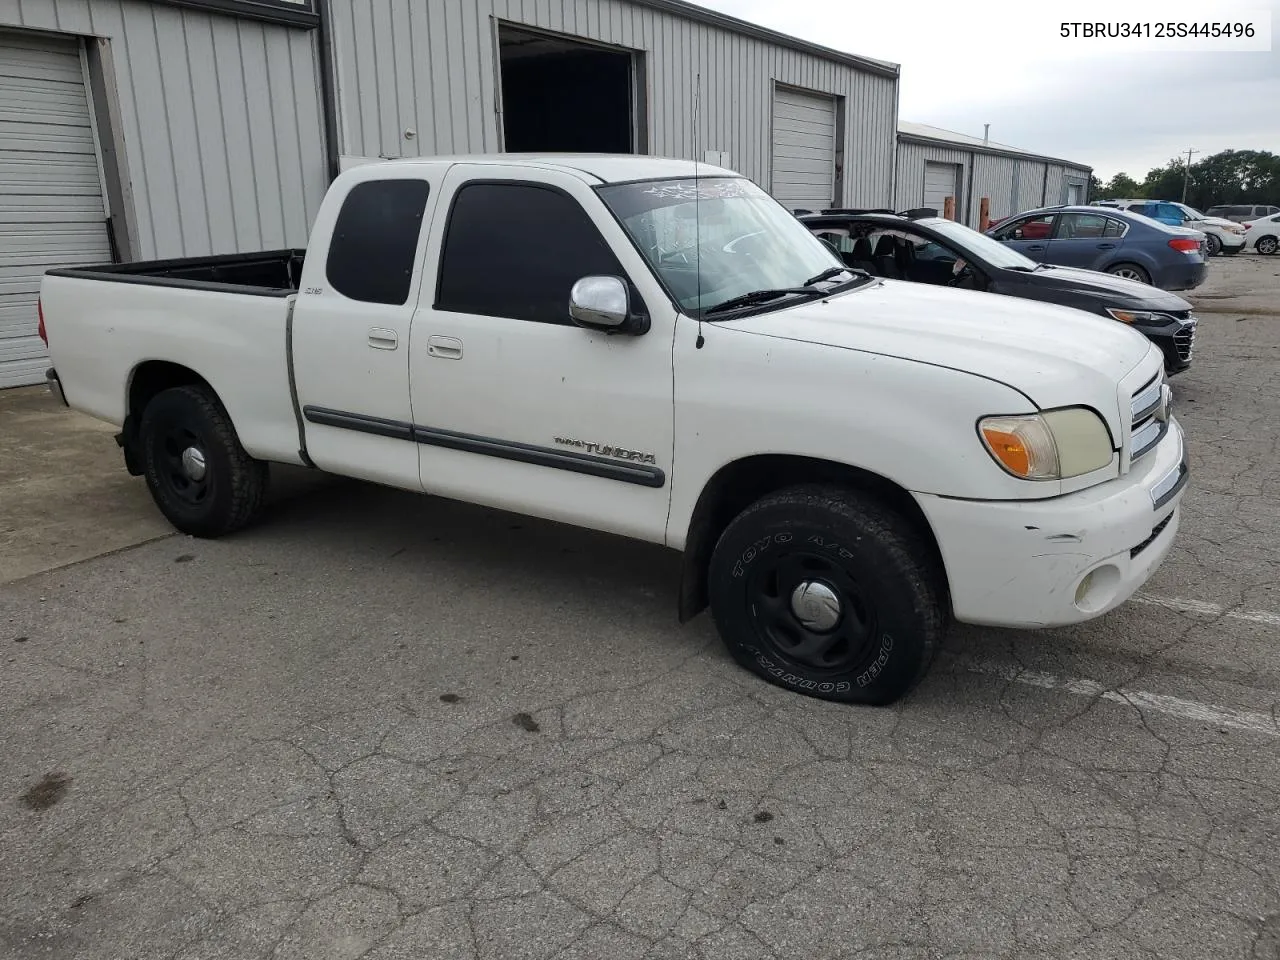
[[235, 483], [886, 577]]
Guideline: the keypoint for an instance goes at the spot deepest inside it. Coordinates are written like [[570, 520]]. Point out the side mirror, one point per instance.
[[603, 303]]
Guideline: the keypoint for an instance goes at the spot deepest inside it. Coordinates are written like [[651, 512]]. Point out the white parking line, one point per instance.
[[1211, 610], [1139, 699]]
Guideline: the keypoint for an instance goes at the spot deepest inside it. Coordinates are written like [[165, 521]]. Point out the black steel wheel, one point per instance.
[[199, 475], [813, 612], [825, 591]]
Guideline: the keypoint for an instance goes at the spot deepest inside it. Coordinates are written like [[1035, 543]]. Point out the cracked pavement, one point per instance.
[[382, 726]]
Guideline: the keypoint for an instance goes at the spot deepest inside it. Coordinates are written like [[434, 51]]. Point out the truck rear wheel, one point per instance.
[[199, 475], [827, 592]]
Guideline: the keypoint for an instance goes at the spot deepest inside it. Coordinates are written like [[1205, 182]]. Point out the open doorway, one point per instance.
[[561, 95]]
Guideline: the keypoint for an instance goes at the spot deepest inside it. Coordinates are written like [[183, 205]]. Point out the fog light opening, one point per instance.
[[1097, 588]]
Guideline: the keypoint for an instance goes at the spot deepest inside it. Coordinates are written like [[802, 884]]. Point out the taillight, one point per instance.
[[40, 329], [1184, 244], [1248, 226]]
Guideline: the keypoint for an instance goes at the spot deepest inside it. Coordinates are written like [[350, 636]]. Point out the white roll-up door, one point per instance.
[[804, 150], [941, 180], [51, 209]]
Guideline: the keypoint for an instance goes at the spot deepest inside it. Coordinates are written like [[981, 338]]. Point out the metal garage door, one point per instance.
[[940, 182], [804, 150], [51, 210]]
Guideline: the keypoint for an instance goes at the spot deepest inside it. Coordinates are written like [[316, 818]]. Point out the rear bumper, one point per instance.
[[1182, 276], [1046, 563], [55, 386], [1233, 241]]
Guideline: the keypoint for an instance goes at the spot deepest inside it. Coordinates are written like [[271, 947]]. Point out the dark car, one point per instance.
[[1111, 240], [938, 251]]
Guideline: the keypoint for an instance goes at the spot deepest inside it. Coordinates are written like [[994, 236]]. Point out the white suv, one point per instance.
[[1224, 236]]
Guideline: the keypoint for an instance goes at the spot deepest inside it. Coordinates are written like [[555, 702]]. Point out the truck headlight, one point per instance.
[[1053, 445]]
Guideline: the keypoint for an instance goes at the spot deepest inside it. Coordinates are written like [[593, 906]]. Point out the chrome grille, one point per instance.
[[1149, 423], [1184, 341]]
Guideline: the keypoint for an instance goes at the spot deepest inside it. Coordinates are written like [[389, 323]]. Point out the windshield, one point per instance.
[[712, 239], [971, 241], [1191, 212]]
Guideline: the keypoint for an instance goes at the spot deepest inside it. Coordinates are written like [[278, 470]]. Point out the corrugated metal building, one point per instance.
[[934, 163], [162, 128]]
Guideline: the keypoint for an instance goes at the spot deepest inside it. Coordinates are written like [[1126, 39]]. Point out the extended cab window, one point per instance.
[[375, 240], [516, 250]]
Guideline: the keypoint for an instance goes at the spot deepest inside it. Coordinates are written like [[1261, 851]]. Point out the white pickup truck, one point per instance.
[[659, 350]]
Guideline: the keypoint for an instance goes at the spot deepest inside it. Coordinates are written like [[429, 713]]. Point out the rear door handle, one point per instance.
[[1106, 246], [445, 348], [380, 338]]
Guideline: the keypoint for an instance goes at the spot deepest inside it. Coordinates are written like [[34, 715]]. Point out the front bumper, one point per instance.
[[1048, 563], [1176, 340], [55, 386]]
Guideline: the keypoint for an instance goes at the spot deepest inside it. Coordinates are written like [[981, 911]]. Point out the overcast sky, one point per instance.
[[970, 62]]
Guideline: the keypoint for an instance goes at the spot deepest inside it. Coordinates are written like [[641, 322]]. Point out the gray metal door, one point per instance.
[[941, 180], [803, 174], [51, 210]]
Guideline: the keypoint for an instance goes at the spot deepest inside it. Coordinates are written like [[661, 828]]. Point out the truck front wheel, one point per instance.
[[827, 592], [199, 475]]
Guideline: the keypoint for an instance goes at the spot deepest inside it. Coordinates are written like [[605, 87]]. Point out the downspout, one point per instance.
[[968, 200], [328, 91], [1044, 187]]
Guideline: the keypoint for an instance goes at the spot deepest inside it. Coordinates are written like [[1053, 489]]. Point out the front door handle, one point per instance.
[[1036, 246], [380, 338], [444, 348]]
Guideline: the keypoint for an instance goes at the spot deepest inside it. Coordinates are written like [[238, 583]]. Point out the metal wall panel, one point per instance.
[[1031, 175], [222, 129], [51, 208], [1055, 190], [993, 179], [429, 68]]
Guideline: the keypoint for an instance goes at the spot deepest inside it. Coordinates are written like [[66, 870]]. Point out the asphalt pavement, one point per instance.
[[387, 726]]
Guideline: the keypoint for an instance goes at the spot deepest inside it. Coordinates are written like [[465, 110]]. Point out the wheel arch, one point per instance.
[[741, 482], [146, 380]]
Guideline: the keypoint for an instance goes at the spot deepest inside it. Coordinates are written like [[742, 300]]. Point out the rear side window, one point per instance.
[[516, 250], [1113, 228], [375, 240]]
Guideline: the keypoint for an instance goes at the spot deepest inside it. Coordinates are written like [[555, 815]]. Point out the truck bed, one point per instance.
[[270, 273], [227, 319]]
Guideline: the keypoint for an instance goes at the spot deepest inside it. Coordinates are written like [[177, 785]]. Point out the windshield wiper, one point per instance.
[[759, 296], [827, 275]]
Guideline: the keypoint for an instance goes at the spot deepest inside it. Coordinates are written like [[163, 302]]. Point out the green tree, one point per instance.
[[1164, 183], [1095, 190], [1122, 186], [1235, 176]]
